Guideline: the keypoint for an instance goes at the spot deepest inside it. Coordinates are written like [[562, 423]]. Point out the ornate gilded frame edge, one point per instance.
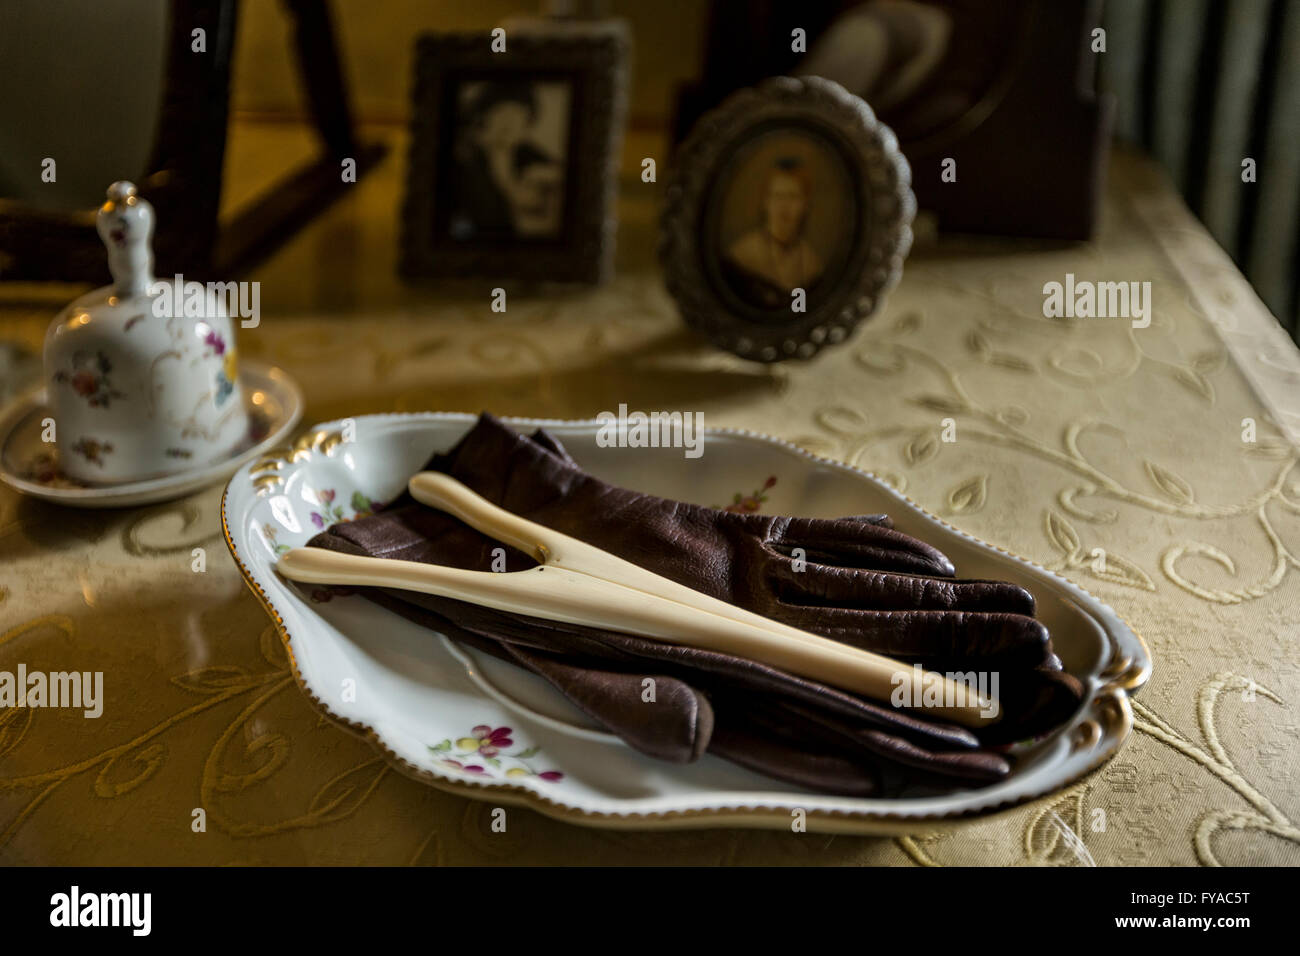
[[882, 174]]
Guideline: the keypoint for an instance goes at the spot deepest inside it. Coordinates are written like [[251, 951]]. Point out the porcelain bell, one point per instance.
[[142, 376]]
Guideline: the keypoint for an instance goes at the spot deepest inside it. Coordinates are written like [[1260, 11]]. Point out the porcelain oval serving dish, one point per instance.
[[468, 723]]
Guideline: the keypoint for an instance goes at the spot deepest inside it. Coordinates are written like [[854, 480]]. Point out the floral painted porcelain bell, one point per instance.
[[142, 375]]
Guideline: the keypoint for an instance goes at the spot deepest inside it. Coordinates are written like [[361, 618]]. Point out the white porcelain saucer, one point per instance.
[[30, 466]]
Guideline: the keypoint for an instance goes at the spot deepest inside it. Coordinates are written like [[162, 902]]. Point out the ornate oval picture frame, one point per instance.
[[787, 219]]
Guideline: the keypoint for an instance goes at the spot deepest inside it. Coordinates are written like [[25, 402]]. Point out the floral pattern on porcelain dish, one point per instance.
[[327, 514], [89, 378], [330, 513], [32, 466], [485, 746], [93, 451], [751, 503], [413, 684], [227, 372], [226, 376]]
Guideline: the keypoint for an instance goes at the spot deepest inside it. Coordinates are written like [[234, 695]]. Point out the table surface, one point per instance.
[[1073, 435]]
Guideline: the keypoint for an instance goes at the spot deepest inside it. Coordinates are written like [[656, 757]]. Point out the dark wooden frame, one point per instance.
[[596, 64], [185, 169]]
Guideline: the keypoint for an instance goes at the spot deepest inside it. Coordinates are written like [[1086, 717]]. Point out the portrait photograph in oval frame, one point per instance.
[[788, 217]]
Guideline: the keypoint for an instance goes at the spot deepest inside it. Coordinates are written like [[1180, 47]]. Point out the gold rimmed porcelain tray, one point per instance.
[[465, 722]]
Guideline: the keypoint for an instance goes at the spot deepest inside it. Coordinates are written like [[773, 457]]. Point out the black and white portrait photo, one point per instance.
[[511, 148], [782, 215]]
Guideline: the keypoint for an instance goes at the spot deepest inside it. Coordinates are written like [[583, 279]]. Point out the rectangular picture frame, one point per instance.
[[593, 62]]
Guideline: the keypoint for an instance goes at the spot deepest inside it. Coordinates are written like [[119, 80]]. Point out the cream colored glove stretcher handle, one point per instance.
[[577, 583]]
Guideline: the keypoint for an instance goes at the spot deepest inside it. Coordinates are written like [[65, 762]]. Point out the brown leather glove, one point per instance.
[[864, 584], [754, 715]]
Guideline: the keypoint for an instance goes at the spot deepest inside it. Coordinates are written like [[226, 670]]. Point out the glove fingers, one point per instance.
[[850, 543], [870, 748], [975, 766], [1034, 692], [793, 751], [675, 726], [818, 585], [1034, 700], [1033, 703], [969, 638]]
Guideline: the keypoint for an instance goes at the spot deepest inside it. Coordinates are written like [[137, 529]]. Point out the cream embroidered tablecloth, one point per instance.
[[1072, 436]]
